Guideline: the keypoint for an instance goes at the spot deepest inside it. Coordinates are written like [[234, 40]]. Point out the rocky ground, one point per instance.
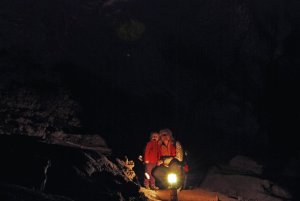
[[34, 168], [74, 167]]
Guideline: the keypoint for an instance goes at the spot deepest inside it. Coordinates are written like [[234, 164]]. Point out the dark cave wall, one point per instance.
[[214, 71]]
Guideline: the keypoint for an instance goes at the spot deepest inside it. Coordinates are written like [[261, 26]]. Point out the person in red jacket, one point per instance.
[[151, 157]]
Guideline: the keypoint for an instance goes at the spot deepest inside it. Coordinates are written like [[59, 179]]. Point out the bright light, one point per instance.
[[172, 178], [147, 175]]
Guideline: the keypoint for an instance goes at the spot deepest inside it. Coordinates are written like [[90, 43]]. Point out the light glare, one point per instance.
[[147, 175], [172, 178]]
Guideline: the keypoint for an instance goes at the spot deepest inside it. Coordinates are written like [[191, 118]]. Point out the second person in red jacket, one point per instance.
[[151, 157]]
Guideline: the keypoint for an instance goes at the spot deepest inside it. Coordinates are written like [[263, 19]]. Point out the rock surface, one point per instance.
[[235, 181], [19, 193], [70, 171]]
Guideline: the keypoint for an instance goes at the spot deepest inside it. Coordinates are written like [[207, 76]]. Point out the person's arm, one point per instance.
[[159, 162], [146, 155], [167, 160]]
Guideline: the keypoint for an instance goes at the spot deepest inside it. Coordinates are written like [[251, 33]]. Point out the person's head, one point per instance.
[[166, 134], [154, 136]]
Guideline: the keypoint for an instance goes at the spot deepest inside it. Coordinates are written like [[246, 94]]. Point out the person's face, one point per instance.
[[165, 136], [155, 136]]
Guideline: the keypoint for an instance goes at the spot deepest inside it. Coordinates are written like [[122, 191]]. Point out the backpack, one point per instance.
[[183, 155]]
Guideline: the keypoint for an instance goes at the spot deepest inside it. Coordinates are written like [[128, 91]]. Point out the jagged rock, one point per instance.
[[77, 173], [275, 190], [19, 193], [36, 104], [127, 168], [246, 165], [88, 142], [243, 186]]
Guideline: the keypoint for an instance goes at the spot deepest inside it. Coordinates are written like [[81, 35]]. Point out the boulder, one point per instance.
[[246, 165], [238, 184]]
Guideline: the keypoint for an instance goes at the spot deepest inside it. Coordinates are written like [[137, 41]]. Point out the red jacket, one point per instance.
[[167, 150], [152, 152]]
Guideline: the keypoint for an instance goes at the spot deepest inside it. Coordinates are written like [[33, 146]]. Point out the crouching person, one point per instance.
[[171, 157]]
